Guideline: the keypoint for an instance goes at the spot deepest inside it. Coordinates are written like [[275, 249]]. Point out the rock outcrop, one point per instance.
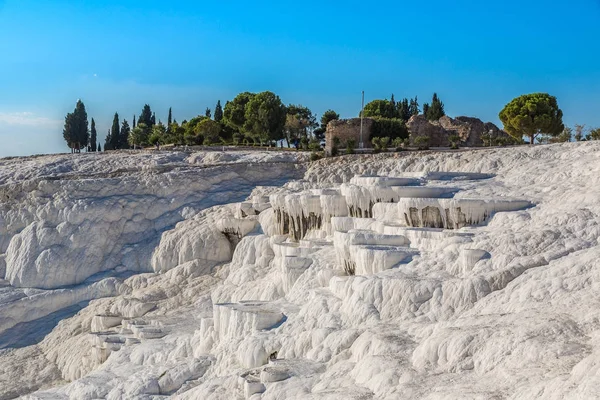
[[468, 129]]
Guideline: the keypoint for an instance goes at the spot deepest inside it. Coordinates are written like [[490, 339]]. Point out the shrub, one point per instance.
[[422, 142], [376, 142], [350, 145], [314, 156], [314, 145], [383, 143], [487, 139], [454, 141], [389, 127]]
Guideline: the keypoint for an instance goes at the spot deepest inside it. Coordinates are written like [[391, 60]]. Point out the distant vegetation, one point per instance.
[[262, 119], [256, 119]]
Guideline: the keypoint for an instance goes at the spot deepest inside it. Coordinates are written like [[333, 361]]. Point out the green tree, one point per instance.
[[218, 112], [435, 110], [108, 141], [209, 130], [169, 122], [326, 118], [176, 134], [377, 108], [124, 135], [146, 116], [234, 113], [413, 108], [115, 133], [75, 131], [292, 128], [158, 135], [404, 111], [134, 121], [99, 148], [265, 117], [138, 135], [192, 131], [531, 115], [93, 136], [594, 134], [392, 111], [329, 116], [300, 122], [425, 109], [207, 112]]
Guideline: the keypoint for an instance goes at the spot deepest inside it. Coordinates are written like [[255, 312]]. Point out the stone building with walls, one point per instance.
[[348, 129]]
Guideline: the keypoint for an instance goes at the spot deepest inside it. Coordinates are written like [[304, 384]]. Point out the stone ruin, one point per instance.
[[348, 129], [468, 129]]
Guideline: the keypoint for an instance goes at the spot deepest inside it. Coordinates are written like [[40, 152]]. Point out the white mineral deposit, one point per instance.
[[259, 275]]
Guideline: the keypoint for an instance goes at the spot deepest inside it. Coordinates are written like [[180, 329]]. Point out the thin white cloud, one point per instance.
[[27, 119]]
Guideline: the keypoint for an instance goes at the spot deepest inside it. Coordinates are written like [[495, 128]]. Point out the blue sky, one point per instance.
[[119, 55]]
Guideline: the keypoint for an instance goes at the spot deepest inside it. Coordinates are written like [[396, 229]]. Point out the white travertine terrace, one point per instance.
[[179, 294], [454, 213], [240, 319]]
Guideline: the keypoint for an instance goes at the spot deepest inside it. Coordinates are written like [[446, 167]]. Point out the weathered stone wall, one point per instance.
[[468, 129], [418, 125], [347, 129]]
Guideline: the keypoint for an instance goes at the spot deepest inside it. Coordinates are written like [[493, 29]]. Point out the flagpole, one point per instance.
[[362, 109]]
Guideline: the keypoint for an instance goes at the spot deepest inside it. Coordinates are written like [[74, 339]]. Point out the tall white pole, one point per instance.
[[362, 109]]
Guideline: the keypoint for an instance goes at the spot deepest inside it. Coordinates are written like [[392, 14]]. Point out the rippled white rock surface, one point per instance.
[[180, 294]]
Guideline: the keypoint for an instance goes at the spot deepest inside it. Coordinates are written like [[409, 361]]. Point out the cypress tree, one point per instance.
[[153, 120], [69, 132], [414, 106], [169, 121], [425, 109], [108, 141], [75, 131], [218, 111], [115, 134], [403, 110], [145, 116], [99, 148], [392, 111], [436, 109], [83, 135], [93, 137], [207, 112], [125, 130], [133, 121]]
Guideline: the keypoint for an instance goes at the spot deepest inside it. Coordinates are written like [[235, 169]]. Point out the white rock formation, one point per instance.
[[454, 213], [154, 300], [241, 319]]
